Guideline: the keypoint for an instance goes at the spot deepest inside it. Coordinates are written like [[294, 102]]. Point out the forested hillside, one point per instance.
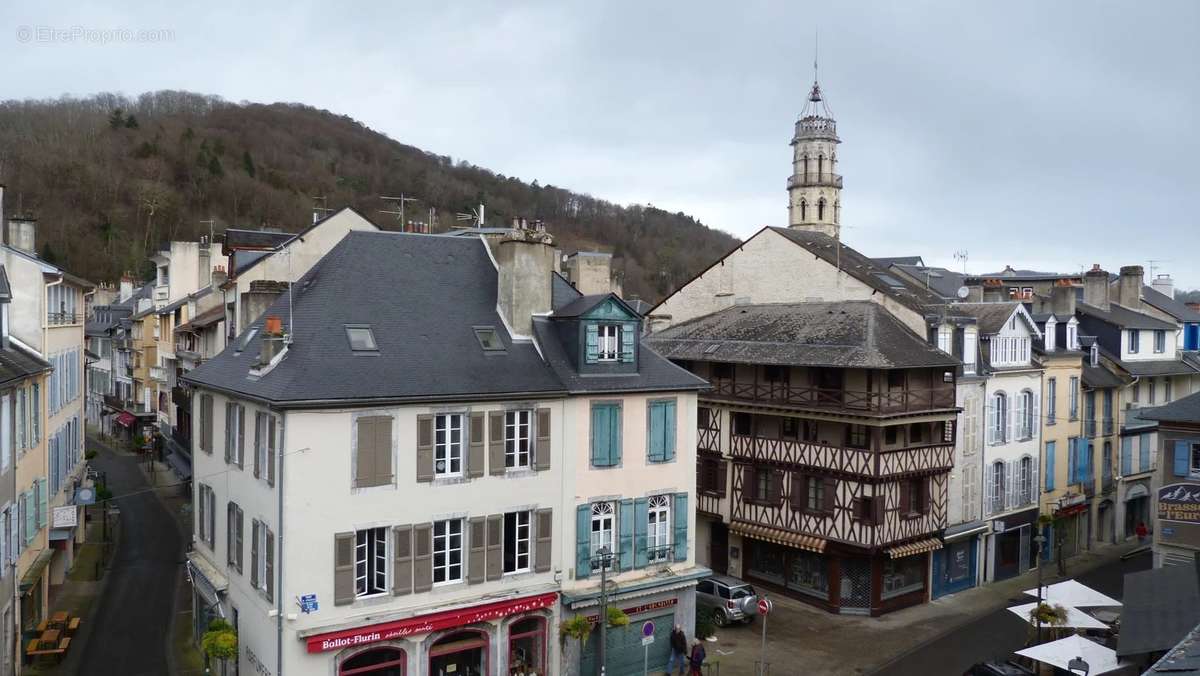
[[111, 178]]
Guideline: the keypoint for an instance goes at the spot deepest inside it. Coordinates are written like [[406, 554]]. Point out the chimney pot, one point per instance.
[[274, 326]]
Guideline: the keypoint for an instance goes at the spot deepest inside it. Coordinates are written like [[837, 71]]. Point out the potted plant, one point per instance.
[[220, 642]]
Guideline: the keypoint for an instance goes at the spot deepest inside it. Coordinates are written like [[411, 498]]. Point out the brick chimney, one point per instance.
[[1129, 288], [525, 256], [219, 276], [272, 340], [1095, 287]]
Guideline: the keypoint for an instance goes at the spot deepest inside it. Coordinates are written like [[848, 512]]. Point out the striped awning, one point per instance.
[[778, 536], [918, 547]]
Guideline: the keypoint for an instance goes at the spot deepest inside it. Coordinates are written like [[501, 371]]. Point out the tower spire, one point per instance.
[[814, 189]]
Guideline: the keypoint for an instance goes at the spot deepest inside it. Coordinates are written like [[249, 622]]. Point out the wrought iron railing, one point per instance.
[[893, 401], [58, 318]]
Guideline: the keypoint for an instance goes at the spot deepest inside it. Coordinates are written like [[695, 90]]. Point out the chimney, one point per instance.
[[1194, 306], [255, 302], [1129, 291], [126, 291], [272, 340], [1062, 299], [21, 233], [219, 276], [1164, 285], [1095, 287], [525, 256], [590, 272]]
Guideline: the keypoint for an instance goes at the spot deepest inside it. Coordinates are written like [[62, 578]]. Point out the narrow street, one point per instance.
[[132, 630], [998, 634]]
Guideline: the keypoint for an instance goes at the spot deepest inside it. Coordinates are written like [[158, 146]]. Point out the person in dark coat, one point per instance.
[[679, 652], [698, 656]]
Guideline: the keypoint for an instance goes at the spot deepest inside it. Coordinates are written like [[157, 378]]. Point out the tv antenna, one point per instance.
[[210, 222], [319, 211], [400, 202], [961, 255], [476, 216], [1154, 265]]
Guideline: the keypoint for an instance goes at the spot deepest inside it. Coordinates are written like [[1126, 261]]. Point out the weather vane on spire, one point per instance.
[[815, 94]]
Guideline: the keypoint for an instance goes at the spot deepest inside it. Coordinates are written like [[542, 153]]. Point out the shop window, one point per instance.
[[903, 576], [808, 573], [527, 647], [767, 561], [462, 654], [376, 661]]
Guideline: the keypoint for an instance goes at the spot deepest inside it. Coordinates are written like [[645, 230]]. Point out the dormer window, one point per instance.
[[609, 346], [361, 338], [1095, 354]]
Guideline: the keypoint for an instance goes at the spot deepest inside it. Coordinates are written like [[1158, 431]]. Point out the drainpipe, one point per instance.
[[279, 545]]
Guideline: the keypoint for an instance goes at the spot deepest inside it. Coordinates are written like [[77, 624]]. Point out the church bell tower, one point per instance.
[[815, 187]]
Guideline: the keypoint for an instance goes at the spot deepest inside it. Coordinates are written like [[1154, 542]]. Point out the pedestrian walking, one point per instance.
[[697, 659], [1142, 532], [679, 652]]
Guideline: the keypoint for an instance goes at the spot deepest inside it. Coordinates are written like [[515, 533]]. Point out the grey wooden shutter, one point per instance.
[[904, 497], [258, 442], [799, 500], [495, 546], [541, 448], [477, 539], [422, 558], [402, 564], [776, 489], [230, 508], [383, 450], [229, 440], [272, 447], [925, 488], [496, 442], [206, 423], [591, 343], [364, 457], [270, 567], [241, 440], [241, 528], [628, 341], [475, 458], [829, 494], [425, 449], [343, 568], [254, 556], [877, 506], [543, 550]]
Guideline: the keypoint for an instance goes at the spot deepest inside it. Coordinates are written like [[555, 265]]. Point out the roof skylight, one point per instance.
[[489, 340], [361, 338]]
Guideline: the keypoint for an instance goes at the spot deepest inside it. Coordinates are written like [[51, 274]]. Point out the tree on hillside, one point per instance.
[[116, 120], [248, 163]]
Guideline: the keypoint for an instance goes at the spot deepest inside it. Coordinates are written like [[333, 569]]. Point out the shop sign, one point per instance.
[[424, 624], [1179, 502], [64, 517], [638, 610]]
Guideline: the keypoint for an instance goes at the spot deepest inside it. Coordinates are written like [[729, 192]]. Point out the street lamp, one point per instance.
[[1078, 665], [1040, 539], [604, 558]]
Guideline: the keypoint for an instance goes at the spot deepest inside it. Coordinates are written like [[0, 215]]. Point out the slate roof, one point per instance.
[[243, 260], [96, 328], [1123, 317], [887, 261], [639, 306], [856, 334], [206, 318], [1181, 660], [5, 289], [1169, 305], [255, 239], [942, 281], [655, 373], [1161, 606], [1098, 377], [561, 291], [582, 304], [860, 267], [1185, 410], [18, 364], [989, 316]]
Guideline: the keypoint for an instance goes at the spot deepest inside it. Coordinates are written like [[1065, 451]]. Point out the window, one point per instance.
[[970, 336], [370, 562], [1050, 449], [1144, 451], [1166, 390], [361, 338], [863, 509], [1195, 459], [1073, 397], [1160, 340], [857, 436], [1072, 336], [903, 576], [609, 346], [661, 431], [448, 445], [1026, 480], [1051, 399], [527, 646], [606, 435], [516, 542], [658, 528], [761, 485], [516, 439], [233, 534], [914, 497], [235, 437], [1151, 389], [916, 433], [816, 494], [999, 418], [375, 661], [265, 447], [206, 516], [743, 424], [891, 434], [262, 563], [1134, 341], [447, 551], [488, 339], [603, 535], [704, 418], [1027, 414], [944, 338], [998, 487]]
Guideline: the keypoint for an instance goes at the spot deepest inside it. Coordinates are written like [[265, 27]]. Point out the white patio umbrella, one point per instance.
[[1060, 653], [1076, 618], [1072, 593]]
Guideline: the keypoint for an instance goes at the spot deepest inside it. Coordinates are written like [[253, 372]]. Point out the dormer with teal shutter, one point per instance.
[[602, 333]]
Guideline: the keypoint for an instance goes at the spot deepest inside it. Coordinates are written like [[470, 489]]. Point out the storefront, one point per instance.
[[35, 591], [1137, 505], [1011, 548], [956, 566], [504, 638], [208, 586]]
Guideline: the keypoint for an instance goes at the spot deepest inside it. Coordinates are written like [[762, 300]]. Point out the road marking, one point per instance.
[[724, 653]]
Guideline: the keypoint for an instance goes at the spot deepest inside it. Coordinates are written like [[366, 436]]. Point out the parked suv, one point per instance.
[[728, 598]]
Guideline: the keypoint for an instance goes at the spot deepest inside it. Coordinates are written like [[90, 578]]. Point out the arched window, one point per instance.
[[1025, 408], [837, 211], [527, 646], [998, 426], [820, 165], [463, 652], [804, 161], [821, 209], [997, 488], [376, 662], [1026, 480], [803, 207]]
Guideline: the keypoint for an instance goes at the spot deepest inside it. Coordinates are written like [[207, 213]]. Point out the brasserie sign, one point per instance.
[[1179, 502]]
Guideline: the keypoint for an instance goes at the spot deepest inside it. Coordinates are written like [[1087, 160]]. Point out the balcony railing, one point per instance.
[[816, 179], [1107, 427], [896, 401], [158, 373], [861, 461], [60, 318], [1089, 427]]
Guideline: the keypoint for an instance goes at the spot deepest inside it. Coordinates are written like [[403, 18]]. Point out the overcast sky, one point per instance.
[[1047, 135]]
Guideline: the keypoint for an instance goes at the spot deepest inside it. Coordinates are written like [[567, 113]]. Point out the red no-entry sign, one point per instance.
[[765, 606]]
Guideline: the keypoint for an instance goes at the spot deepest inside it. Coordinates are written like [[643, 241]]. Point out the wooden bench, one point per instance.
[[73, 625], [33, 651]]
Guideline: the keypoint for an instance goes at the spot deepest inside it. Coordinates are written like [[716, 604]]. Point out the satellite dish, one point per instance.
[[963, 292]]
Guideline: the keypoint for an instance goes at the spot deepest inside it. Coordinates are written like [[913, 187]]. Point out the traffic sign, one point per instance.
[[648, 628], [647, 640], [765, 606]]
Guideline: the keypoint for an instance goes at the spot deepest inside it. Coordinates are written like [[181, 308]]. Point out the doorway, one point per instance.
[[855, 587], [718, 555]]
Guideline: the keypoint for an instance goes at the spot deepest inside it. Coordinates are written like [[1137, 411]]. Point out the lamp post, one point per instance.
[[604, 558], [1040, 539]]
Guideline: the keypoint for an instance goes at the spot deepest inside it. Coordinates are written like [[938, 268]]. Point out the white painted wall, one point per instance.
[[1146, 346]]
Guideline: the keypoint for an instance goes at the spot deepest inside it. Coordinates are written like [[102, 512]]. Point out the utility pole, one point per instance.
[[399, 211], [605, 557]]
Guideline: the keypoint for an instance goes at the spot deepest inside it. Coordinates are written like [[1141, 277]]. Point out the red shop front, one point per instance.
[[461, 649]]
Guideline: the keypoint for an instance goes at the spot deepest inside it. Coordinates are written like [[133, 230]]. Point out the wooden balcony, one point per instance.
[[859, 402], [855, 461]]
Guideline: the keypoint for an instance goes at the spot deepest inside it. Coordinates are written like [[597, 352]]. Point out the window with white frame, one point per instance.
[[998, 487], [1026, 485], [945, 339], [516, 542], [603, 534], [1072, 336], [1073, 397], [609, 346], [448, 445], [370, 562], [998, 418], [447, 551], [1135, 341], [970, 336], [1051, 400], [1160, 340], [658, 528], [1027, 412], [517, 427]]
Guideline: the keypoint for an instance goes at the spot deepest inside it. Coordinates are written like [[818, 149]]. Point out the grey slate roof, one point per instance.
[[258, 239], [421, 295], [582, 304], [1185, 410], [639, 306], [17, 364], [989, 316], [243, 260], [1169, 305], [862, 268], [1161, 606], [941, 281], [561, 291], [858, 334], [1123, 317], [654, 372], [1181, 660], [1098, 377], [5, 289], [888, 261]]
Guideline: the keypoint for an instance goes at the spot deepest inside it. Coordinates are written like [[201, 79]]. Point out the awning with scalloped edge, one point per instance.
[[913, 548], [778, 536]]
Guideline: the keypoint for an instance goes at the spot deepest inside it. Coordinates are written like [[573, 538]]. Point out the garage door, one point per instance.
[[625, 648]]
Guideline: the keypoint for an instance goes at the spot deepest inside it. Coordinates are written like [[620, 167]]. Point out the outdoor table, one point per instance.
[[60, 618], [49, 638]]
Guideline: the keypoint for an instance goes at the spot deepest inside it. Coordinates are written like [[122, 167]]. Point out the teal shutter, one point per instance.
[[627, 342], [43, 499], [656, 434], [30, 517], [669, 430], [1050, 465], [681, 526], [583, 542], [641, 523], [1126, 456], [1144, 453], [1182, 461], [592, 346], [614, 435], [600, 435], [625, 545]]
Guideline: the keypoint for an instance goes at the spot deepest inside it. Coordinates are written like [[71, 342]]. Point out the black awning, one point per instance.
[[1161, 606]]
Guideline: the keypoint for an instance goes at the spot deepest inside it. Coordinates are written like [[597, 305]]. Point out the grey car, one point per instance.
[[728, 599]]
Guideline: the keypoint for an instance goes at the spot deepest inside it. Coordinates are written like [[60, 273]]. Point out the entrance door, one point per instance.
[[718, 555], [855, 587], [624, 652]]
